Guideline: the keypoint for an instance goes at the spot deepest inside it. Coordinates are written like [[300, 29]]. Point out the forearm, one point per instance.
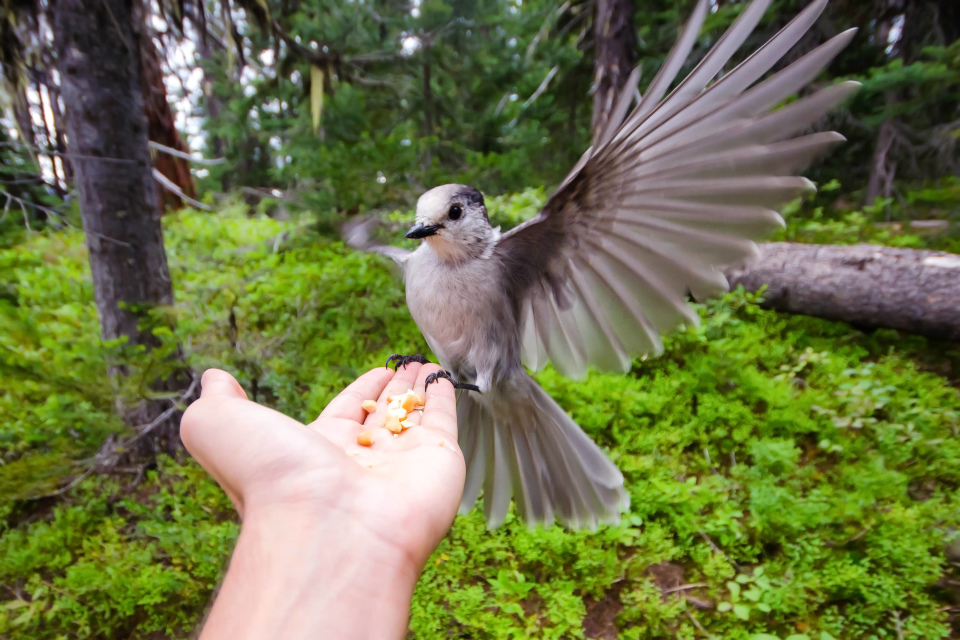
[[295, 578]]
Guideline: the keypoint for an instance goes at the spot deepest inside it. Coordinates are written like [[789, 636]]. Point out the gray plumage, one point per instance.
[[668, 194]]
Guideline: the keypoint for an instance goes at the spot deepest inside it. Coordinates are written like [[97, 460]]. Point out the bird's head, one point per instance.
[[453, 220]]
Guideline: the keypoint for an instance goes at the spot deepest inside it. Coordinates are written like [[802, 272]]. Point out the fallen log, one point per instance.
[[867, 286]]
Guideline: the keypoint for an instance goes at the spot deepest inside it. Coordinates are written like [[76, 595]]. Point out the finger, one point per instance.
[[440, 410], [229, 436], [347, 405], [216, 382], [402, 382]]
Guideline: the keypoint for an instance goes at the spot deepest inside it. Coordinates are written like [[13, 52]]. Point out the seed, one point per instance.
[[393, 424]]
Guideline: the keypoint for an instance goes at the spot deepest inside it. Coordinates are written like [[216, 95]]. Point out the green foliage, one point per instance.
[[797, 478], [460, 104], [937, 74], [812, 222], [28, 200], [119, 562]]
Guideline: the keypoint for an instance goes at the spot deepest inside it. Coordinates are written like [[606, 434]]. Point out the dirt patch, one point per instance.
[[600, 623], [666, 576]]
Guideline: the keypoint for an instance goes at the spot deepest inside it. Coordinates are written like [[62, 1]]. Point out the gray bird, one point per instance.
[[666, 196]]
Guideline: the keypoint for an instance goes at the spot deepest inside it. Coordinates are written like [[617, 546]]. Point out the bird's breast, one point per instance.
[[462, 311]]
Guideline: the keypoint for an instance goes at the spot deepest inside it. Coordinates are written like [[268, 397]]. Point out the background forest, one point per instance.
[[791, 477]]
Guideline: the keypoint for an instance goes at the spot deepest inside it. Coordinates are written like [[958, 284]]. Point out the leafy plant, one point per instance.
[[798, 471]]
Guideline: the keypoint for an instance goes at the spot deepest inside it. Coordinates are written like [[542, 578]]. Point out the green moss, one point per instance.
[[803, 474]]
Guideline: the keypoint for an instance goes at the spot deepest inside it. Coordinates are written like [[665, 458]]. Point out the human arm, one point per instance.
[[333, 535]]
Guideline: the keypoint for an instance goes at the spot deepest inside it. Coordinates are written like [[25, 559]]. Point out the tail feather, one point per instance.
[[518, 442]]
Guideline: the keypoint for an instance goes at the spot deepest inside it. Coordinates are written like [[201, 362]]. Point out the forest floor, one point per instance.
[[790, 478]]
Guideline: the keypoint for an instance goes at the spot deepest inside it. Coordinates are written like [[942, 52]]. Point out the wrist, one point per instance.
[[302, 576]]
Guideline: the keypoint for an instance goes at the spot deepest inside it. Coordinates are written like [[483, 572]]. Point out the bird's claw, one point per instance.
[[403, 361], [433, 377]]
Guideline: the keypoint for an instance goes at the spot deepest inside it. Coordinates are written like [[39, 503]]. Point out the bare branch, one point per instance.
[[186, 156], [174, 188]]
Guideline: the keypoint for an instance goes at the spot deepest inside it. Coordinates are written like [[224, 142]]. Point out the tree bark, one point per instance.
[[883, 169], [59, 139], [21, 113], [212, 102], [615, 42], [866, 285], [162, 128], [99, 61]]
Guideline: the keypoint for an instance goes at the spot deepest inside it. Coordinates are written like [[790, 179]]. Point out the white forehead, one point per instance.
[[437, 199]]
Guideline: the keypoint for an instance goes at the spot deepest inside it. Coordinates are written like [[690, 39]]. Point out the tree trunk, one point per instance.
[[211, 101], [866, 285], [98, 53], [21, 113], [59, 139], [615, 41], [162, 128], [883, 169]]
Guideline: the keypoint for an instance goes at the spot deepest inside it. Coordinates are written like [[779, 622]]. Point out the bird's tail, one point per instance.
[[517, 441]]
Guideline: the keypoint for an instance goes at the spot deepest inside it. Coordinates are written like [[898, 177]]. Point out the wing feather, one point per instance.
[[603, 345], [667, 196]]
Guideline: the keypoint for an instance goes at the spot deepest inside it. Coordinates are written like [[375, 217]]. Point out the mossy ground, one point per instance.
[[789, 477]]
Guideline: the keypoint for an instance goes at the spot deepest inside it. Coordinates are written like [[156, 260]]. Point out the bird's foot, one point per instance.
[[433, 377], [402, 361]]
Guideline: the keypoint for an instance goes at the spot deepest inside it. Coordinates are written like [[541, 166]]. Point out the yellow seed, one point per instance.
[[409, 401], [365, 439], [392, 424], [369, 406]]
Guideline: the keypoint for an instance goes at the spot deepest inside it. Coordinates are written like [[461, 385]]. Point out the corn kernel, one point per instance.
[[409, 401], [393, 424]]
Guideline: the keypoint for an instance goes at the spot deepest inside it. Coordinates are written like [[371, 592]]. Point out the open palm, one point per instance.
[[404, 490]]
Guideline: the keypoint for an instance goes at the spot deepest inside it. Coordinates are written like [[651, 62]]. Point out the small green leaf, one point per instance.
[[734, 590], [798, 636], [763, 606], [752, 594], [763, 636], [724, 606], [742, 611], [826, 636], [743, 578]]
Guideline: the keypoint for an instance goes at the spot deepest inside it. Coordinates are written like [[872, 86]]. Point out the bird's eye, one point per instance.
[[455, 212]]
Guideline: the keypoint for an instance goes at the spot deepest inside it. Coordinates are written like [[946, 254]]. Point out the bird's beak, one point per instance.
[[421, 231]]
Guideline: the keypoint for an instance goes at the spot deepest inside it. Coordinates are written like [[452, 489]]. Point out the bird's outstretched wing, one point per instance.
[[666, 196], [357, 233]]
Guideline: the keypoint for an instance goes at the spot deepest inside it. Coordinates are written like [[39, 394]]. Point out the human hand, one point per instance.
[[322, 512]]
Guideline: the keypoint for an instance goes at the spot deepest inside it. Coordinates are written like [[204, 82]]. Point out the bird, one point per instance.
[[669, 193]]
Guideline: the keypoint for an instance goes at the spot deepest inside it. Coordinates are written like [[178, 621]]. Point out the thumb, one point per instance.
[[219, 383]]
